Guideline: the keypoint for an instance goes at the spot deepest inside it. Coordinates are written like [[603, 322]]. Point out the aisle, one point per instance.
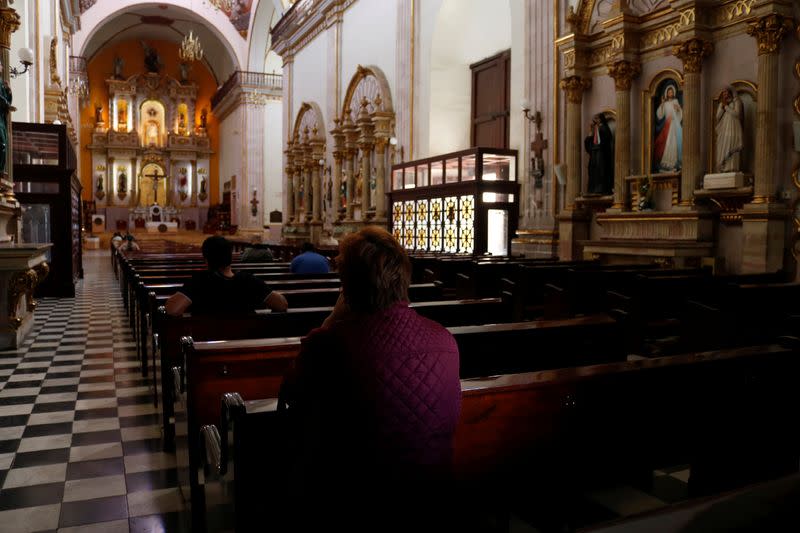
[[80, 440]]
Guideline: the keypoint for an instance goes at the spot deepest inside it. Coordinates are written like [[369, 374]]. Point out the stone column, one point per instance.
[[574, 86], [764, 220], [351, 135], [692, 53], [338, 155], [768, 31], [298, 180], [381, 121], [623, 72]]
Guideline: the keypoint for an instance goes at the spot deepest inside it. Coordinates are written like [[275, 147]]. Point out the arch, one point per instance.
[[308, 116], [368, 82], [591, 13], [260, 40], [171, 22]]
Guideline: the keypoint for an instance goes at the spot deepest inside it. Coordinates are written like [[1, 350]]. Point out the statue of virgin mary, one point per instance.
[[728, 129]]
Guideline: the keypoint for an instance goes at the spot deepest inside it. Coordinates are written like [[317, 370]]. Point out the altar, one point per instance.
[[161, 227]]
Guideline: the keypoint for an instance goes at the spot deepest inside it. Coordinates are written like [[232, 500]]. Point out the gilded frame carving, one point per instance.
[[647, 122], [741, 86]]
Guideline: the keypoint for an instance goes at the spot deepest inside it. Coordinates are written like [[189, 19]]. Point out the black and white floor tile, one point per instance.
[[80, 439]]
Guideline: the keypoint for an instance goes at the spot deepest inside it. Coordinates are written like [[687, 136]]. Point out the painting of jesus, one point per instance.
[[667, 133]]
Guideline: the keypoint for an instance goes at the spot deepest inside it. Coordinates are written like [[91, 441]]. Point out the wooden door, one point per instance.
[[490, 101]]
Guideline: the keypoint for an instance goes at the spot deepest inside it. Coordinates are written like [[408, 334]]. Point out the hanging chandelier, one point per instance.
[[190, 48], [224, 5]]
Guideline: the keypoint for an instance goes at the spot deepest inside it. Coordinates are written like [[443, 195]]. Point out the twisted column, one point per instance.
[[623, 73], [691, 53], [574, 86], [768, 31], [338, 156]]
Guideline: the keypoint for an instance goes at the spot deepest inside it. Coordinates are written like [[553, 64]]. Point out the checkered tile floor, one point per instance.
[[80, 440]]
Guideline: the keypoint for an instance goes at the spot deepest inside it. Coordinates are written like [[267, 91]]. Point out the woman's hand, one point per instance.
[[340, 311]]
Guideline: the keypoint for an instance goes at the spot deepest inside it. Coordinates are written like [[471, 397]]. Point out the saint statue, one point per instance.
[[5, 107], [182, 124], [204, 118], [184, 69], [329, 192], [118, 64], [730, 139], [99, 192], [98, 114], [122, 183], [151, 60], [152, 133], [668, 144], [600, 147], [300, 192]]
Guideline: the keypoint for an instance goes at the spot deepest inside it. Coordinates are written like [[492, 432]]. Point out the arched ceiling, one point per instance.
[[167, 23]]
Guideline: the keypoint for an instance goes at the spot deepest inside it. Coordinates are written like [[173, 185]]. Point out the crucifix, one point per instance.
[[155, 176], [538, 146]]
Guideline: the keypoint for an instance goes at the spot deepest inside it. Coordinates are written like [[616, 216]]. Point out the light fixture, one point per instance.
[[393, 141], [191, 50], [321, 162], [26, 58], [224, 5]]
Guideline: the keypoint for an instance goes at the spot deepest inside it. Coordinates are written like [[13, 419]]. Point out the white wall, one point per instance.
[[310, 83], [273, 167], [230, 149], [452, 35], [23, 87]]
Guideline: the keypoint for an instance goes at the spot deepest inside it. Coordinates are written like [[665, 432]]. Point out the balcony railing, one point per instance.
[[251, 80]]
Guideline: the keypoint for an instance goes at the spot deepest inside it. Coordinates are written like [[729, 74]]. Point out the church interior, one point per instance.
[[599, 199]]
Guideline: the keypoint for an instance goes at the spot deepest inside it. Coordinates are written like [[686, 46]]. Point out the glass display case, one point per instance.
[[49, 192], [460, 203]]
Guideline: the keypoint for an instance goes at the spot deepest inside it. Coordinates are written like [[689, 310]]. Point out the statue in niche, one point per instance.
[[122, 121], [373, 184], [300, 194], [152, 134], [329, 192], [184, 70], [668, 134], [728, 129], [600, 147], [119, 63], [152, 61], [182, 124], [204, 118], [5, 107], [98, 114], [202, 195], [122, 183], [99, 192]]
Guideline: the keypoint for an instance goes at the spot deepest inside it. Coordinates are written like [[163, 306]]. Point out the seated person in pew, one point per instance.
[[309, 261], [219, 290], [393, 375], [257, 253]]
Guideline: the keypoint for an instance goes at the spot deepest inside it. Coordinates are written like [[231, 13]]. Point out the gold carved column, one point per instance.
[[351, 143], [366, 140], [574, 86], [691, 53], [768, 31], [338, 156], [382, 121], [289, 169], [298, 179], [308, 165], [317, 149], [623, 72]]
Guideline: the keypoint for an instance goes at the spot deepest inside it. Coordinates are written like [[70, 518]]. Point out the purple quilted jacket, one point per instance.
[[377, 396]]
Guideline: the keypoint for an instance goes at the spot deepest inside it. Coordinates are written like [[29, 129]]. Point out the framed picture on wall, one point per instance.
[[662, 110]]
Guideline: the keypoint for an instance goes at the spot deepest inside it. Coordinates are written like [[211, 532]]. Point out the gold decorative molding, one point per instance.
[[624, 72], [574, 86], [692, 53], [22, 282], [9, 23], [733, 11], [769, 31], [661, 35]]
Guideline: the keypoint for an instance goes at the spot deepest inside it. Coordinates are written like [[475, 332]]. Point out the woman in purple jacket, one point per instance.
[[376, 396]]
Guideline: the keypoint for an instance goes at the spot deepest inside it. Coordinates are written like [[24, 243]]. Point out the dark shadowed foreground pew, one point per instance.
[[212, 368], [536, 441]]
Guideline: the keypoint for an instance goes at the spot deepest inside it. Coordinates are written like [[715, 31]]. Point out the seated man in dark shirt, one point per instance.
[[221, 291]]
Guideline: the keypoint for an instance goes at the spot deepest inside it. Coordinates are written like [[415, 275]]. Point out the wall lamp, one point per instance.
[[26, 58]]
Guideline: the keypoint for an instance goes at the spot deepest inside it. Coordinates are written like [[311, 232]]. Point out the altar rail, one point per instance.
[[258, 80]]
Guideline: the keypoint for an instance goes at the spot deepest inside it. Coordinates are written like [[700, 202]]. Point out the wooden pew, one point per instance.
[[167, 332], [535, 441], [211, 368]]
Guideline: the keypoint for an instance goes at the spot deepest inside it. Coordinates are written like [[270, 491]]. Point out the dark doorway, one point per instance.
[[490, 101]]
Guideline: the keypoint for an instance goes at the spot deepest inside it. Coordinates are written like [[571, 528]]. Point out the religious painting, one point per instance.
[[662, 109], [732, 128], [239, 15]]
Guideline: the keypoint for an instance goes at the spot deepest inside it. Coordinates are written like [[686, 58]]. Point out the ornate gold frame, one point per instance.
[[741, 86], [647, 119]]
